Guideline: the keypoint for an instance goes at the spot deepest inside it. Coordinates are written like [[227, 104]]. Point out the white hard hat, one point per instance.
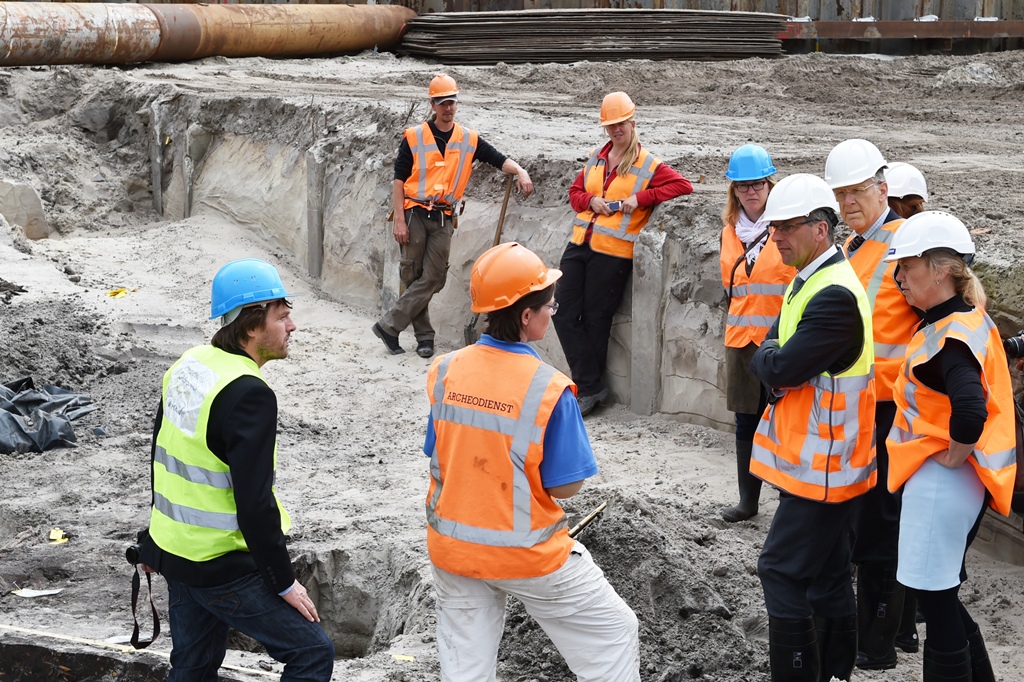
[[930, 230], [852, 162], [905, 180], [798, 195]]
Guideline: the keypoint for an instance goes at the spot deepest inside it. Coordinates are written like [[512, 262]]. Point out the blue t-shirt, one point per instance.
[[568, 456]]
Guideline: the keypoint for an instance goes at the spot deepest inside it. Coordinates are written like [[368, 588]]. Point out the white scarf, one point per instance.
[[747, 230]]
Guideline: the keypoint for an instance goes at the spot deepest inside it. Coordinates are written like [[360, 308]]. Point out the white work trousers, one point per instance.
[[594, 630]]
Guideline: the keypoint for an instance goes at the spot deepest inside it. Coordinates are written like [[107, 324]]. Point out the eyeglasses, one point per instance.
[[756, 185], [789, 227], [855, 192], [553, 306]]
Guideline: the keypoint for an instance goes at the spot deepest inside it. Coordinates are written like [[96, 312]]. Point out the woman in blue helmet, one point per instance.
[[755, 279]]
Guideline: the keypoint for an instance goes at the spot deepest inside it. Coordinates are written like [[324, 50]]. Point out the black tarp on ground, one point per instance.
[[36, 419]]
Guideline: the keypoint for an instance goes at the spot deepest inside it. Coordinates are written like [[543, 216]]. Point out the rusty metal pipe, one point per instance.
[[76, 33], [88, 33]]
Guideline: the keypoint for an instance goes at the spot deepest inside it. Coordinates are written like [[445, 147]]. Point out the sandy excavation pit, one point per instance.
[[236, 145]]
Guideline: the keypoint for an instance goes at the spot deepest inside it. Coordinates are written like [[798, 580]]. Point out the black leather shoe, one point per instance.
[[390, 341], [425, 349], [587, 403]]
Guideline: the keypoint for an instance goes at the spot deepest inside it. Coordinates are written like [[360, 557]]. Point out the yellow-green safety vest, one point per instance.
[[194, 514]]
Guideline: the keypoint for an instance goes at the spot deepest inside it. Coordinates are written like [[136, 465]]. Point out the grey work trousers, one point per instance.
[[423, 271]]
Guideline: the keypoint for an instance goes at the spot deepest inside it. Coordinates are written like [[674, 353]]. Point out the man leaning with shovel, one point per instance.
[[435, 160]]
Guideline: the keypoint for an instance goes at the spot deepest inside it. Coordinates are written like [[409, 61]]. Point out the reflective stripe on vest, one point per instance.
[[828, 453], [756, 296], [436, 178], [524, 432], [921, 426], [763, 289], [892, 317], [616, 234]]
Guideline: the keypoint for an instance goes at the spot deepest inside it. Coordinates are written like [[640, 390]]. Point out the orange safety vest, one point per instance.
[[921, 426], [755, 298], [615, 234], [439, 178], [817, 440], [488, 515], [892, 317]]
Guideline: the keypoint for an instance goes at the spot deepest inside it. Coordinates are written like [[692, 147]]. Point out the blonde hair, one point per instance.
[[632, 151], [731, 212], [966, 282]]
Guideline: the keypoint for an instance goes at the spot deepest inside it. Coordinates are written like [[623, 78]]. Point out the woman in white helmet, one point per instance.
[[908, 191], [952, 443]]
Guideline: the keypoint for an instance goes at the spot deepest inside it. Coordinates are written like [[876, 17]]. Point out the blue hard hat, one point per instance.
[[244, 282], [749, 162]]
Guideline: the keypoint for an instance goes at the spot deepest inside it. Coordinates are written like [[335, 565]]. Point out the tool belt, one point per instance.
[[438, 212]]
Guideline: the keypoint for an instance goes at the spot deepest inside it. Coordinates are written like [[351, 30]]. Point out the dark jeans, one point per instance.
[[200, 618], [588, 294], [804, 566], [876, 525]]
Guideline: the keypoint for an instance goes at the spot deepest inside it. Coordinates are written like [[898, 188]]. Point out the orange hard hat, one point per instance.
[[616, 107], [505, 273], [443, 85]]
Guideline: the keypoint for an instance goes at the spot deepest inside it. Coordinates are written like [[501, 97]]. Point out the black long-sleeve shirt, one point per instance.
[[955, 372], [484, 152], [828, 338], [241, 432]]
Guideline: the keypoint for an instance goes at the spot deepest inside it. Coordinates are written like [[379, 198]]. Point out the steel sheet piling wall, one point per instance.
[[115, 33]]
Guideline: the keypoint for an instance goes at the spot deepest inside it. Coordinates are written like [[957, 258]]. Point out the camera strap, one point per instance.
[[136, 588]]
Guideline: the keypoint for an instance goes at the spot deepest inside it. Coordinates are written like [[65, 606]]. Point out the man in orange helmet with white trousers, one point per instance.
[[432, 169], [506, 441]]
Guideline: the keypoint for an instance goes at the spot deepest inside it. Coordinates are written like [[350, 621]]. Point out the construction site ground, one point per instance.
[[352, 417]]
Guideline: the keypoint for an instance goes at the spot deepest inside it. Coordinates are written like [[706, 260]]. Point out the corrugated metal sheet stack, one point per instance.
[[572, 35]]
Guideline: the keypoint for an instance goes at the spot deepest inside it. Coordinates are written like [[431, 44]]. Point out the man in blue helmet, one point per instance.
[[217, 528]]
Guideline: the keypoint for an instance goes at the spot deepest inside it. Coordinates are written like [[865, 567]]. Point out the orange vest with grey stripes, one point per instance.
[[488, 515], [921, 426], [817, 440], [892, 317], [615, 234], [439, 179], [755, 299]]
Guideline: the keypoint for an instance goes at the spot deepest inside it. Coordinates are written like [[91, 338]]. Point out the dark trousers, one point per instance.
[[200, 618], [588, 294], [805, 562], [947, 621], [876, 526]]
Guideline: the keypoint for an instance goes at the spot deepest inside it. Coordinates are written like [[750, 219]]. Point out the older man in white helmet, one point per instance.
[[855, 170], [814, 441]]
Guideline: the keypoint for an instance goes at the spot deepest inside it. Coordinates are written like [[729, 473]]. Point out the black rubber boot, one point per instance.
[[907, 637], [750, 486], [793, 650], [879, 610], [837, 646], [941, 666], [981, 666]]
